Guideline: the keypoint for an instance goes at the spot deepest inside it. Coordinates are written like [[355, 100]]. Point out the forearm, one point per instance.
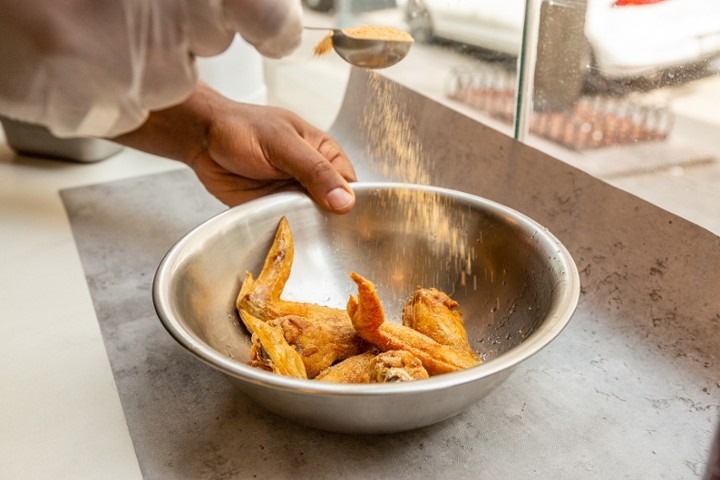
[[179, 132]]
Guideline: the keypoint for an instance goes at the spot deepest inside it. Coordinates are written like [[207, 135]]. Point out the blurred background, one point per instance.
[[626, 90]]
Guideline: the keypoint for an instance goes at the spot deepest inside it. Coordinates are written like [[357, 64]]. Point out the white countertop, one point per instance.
[[60, 415]]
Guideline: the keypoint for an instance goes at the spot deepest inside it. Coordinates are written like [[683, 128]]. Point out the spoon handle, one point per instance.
[[320, 28]]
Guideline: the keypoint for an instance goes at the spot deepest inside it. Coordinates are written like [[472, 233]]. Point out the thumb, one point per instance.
[[326, 180]]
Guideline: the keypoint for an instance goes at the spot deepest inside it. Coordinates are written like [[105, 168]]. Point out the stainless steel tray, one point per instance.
[[37, 141]]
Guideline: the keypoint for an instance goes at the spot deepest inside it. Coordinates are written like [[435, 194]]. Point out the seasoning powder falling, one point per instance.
[[394, 150], [324, 45]]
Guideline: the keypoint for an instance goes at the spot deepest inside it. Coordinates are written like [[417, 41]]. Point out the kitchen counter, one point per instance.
[[60, 416], [629, 390]]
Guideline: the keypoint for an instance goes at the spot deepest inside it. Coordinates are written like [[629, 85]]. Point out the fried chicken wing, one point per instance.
[[435, 314], [319, 341], [306, 340], [270, 350], [396, 366], [368, 318], [261, 297], [321, 335], [376, 367], [355, 369]]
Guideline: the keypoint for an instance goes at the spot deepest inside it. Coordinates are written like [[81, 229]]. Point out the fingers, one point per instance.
[[273, 27], [326, 184], [318, 176], [324, 171], [234, 190], [253, 150]]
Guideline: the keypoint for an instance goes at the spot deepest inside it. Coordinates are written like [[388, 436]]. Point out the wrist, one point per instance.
[[179, 132]]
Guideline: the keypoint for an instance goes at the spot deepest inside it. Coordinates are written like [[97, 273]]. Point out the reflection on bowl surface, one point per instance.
[[516, 285]]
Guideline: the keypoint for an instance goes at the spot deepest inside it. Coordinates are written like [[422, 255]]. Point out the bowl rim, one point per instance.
[[558, 317]]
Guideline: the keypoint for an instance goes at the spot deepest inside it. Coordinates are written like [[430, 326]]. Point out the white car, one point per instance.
[[624, 38]]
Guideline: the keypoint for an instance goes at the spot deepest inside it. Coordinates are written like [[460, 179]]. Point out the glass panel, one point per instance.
[[628, 90]]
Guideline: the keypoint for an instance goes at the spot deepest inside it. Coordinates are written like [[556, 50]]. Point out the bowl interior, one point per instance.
[[509, 275]]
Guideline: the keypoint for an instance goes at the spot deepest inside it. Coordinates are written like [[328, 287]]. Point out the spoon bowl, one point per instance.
[[369, 52], [366, 52]]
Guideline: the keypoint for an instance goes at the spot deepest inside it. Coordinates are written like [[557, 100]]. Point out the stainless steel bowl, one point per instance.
[[516, 284]]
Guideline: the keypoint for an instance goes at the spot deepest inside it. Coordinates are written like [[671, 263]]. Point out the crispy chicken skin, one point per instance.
[[261, 297], [368, 319], [355, 369], [396, 366], [321, 335], [320, 341], [376, 367], [270, 350], [435, 314]]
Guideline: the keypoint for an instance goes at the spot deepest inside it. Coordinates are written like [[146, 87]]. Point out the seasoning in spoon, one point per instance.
[[364, 32], [376, 32]]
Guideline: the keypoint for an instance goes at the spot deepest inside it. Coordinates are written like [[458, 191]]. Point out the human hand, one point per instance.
[[240, 151], [253, 151]]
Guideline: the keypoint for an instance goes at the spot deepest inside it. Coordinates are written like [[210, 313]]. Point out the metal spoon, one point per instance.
[[367, 52]]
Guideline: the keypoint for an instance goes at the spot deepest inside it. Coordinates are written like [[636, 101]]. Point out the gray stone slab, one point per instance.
[[631, 389]]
